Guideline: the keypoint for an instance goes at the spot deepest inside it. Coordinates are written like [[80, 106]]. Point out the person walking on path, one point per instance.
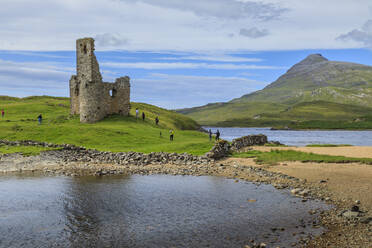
[[218, 135], [157, 120], [171, 136], [210, 135], [40, 119], [143, 116], [137, 113], [2, 113]]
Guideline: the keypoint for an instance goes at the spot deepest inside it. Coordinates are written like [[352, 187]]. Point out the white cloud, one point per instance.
[[110, 40], [226, 9], [363, 35], [179, 25], [253, 32], [216, 58], [184, 65], [180, 91], [33, 78]]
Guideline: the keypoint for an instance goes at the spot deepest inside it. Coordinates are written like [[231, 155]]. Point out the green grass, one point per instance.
[[24, 150], [115, 133], [327, 145], [275, 156]]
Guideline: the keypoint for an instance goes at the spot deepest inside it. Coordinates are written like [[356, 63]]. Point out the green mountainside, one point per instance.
[[316, 90]]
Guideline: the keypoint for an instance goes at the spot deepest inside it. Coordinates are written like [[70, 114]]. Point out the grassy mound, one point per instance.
[[115, 133]]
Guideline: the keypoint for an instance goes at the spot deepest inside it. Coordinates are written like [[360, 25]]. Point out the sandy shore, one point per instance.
[[338, 184], [347, 151]]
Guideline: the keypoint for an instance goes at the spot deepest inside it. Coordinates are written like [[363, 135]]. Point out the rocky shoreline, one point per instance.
[[348, 223]]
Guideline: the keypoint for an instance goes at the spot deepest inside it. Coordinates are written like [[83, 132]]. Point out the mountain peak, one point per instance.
[[313, 59], [307, 64]]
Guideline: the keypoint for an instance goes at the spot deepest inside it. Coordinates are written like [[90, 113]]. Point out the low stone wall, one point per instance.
[[133, 158], [72, 153], [220, 150], [250, 140]]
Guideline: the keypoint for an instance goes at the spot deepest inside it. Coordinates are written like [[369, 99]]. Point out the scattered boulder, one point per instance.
[[348, 214]]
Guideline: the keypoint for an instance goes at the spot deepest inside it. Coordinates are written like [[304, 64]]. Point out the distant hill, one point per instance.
[[314, 89]]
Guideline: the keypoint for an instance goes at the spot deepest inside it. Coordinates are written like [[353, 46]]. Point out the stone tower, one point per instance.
[[89, 96]]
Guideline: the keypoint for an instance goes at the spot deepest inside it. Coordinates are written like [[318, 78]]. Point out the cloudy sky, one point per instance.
[[178, 53]]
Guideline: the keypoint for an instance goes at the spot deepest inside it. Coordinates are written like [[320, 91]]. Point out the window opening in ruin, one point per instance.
[[85, 49], [76, 91], [113, 93]]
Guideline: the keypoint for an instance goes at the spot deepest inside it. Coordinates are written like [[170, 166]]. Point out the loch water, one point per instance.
[[300, 137], [148, 211]]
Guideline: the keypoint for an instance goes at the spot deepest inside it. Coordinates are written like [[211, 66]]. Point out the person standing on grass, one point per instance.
[[218, 135], [210, 135], [137, 113], [157, 120], [40, 119], [143, 116], [2, 113], [171, 136]]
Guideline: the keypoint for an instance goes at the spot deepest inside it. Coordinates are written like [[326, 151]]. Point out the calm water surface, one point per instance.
[[300, 138], [146, 211]]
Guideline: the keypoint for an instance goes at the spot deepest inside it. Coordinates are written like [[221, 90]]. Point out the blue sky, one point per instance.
[[177, 53]]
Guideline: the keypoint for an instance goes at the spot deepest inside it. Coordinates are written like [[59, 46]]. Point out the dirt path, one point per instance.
[[347, 151]]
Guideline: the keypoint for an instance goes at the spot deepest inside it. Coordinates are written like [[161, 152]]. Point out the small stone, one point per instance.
[[355, 208], [350, 214], [296, 191], [357, 202]]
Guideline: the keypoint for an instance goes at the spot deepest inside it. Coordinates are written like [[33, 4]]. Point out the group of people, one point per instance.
[[218, 134], [171, 132], [144, 117]]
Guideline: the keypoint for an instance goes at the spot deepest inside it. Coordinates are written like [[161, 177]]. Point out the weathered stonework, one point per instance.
[[89, 96], [250, 140]]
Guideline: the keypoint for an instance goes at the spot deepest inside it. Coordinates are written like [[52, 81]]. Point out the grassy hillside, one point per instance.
[[315, 93], [115, 133]]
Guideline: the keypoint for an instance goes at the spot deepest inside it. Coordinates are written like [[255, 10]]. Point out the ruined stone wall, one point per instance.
[[74, 95], [250, 140], [90, 97], [116, 96]]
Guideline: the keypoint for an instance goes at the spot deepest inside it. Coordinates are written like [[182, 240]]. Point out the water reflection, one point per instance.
[[145, 211]]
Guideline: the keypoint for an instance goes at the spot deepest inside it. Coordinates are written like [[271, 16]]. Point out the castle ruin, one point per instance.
[[90, 97]]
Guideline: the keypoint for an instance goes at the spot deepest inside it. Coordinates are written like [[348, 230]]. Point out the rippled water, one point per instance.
[[300, 138], [146, 211]]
